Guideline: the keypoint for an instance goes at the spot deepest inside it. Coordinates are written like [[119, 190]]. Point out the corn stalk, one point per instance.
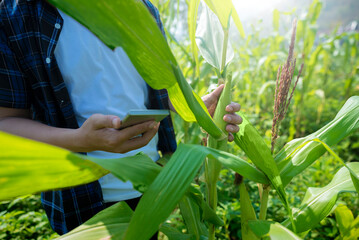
[[213, 167]]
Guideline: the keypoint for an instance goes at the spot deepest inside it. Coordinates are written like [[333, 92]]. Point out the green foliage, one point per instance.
[[329, 79], [24, 218], [40, 167], [272, 230], [319, 202], [348, 226], [210, 40], [113, 222]]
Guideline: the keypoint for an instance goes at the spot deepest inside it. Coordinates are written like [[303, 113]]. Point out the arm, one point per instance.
[[99, 132]]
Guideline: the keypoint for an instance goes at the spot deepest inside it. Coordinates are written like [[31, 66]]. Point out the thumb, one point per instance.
[[217, 92], [105, 121]]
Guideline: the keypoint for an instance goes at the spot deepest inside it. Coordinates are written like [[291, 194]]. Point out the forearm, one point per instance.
[[61, 137]]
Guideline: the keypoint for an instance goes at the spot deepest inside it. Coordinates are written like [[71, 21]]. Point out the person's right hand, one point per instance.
[[100, 132]]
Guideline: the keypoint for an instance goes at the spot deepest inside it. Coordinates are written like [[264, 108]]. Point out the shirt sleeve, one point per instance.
[[13, 86], [155, 13]]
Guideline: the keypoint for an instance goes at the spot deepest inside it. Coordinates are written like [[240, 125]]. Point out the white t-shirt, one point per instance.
[[100, 80]]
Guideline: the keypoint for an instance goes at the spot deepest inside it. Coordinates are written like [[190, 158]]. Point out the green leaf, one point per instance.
[[224, 9], [28, 167], [210, 38], [130, 25], [139, 169], [247, 213], [300, 153], [353, 234], [314, 11], [344, 218], [237, 22], [172, 183], [235, 163], [190, 212], [276, 16], [249, 140], [208, 214], [173, 234], [196, 104], [192, 23], [110, 223], [164, 193], [353, 175], [319, 202], [273, 230]]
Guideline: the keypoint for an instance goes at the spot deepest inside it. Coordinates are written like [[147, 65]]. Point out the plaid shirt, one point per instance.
[[30, 78]]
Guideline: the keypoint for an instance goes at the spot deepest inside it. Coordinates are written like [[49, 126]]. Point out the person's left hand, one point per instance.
[[211, 100]]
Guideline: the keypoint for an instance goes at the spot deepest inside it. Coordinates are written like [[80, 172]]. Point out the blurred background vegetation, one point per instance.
[[327, 44]]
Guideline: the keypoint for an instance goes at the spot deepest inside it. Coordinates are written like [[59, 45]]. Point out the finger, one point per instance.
[[138, 142], [232, 118], [217, 92], [233, 107], [232, 128], [230, 137], [213, 97], [135, 130], [105, 121]]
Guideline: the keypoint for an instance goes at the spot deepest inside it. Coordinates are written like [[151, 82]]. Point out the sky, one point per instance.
[[252, 8]]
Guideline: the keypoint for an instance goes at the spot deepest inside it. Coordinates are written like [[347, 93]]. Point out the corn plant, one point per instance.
[[128, 24]]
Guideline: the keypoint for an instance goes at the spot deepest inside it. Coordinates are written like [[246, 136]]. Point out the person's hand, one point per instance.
[[100, 132], [211, 100]]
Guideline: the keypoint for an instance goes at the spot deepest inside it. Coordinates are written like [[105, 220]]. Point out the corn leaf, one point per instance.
[[319, 202], [344, 218], [224, 9], [353, 175], [173, 234], [353, 232], [276, 17], [172, 183], [236, 164], [28, 167], [207, 213], [139, 169], [130, 25], [300, 153], [164, 193], [273, 230], [142, 171], [191, 214], [249, 140], [314, 11], [192, 24], [247, 213], [210, 37], [196, 104], [110, 223]]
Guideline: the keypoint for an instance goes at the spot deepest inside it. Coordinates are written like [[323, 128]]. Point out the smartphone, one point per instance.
[[134, 117]]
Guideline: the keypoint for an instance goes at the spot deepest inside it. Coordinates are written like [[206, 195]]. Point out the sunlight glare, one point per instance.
[[251, 8]]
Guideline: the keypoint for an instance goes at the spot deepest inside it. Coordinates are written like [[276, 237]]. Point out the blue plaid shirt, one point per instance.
[[30, 79]]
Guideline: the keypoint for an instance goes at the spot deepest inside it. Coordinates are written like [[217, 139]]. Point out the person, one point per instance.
[[71, 91]]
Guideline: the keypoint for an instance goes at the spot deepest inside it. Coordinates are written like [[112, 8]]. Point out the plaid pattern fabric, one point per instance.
[[30, 78]]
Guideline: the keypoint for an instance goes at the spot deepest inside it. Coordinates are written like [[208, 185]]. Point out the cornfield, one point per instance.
[[292, 171]]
